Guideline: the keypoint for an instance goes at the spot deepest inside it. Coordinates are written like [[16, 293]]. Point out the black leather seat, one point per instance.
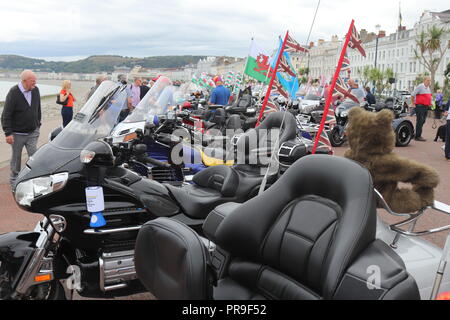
[[276, 127], [310, 236], [213, 186]]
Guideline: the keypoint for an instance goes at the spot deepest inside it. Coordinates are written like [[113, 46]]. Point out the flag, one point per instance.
[[271, 106], [399, 17], [345, 67], [278, 88], [342, 88], [257, 65], [294, 46], [355, 42], [285, 67], [288, 80], [324, 141]]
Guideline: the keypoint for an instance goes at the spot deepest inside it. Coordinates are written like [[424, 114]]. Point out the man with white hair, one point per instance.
[[21, 120]]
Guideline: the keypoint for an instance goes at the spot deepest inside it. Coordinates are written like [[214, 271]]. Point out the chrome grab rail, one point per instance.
[[413, 217], [110, 231]]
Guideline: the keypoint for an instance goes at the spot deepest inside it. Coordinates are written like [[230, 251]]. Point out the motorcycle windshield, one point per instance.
[[96, 119], [154, 102]]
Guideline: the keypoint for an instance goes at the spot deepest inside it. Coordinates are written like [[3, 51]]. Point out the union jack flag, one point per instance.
[[271, 106], [324, 141], [346, 66], [342, 88], [355, 42], [278, 88], [294, 46], [285, 67]]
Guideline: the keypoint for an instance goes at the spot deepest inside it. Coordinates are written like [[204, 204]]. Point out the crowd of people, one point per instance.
[[21, 117]]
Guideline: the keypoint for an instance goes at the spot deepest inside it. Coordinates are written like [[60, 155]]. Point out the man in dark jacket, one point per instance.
[[21, 120], [370, 98]]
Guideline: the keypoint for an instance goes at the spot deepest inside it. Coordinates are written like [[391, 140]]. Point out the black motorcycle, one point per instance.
[[75, 248]]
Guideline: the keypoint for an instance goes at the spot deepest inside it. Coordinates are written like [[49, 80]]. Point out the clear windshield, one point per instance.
[[155, 102], [96, 119]]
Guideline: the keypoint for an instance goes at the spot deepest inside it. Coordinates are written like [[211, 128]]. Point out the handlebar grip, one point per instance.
[[155, 162]]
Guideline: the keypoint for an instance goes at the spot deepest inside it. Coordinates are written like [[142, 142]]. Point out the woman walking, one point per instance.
[[66, 96]]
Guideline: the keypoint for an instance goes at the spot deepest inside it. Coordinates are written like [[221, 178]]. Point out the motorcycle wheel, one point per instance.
[[336, 139], [47, 291], [403, 135]]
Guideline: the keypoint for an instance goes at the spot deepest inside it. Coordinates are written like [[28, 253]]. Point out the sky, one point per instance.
[[70, 30]]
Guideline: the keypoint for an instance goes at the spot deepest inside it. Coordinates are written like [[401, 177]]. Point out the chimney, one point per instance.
[[320, 42], [311, 44], [382, 34]]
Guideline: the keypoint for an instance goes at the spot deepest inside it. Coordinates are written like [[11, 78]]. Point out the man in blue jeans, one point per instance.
[[220, 95]]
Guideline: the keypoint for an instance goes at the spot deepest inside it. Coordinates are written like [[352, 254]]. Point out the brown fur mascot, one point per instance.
[[372, 140]]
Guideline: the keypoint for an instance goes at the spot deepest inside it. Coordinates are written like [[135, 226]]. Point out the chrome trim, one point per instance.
[[412, 218], [110, 231], [58, 222], [38, 260], [116, 270]]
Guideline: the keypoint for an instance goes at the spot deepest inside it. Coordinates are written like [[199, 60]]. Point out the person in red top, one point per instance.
[[67, 108], [421, 100]]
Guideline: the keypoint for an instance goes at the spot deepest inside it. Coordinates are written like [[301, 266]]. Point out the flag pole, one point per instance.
[[333, 84], [266, 98]]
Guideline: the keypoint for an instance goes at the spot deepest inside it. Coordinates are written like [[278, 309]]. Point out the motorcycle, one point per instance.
[[93, 206], [280, 255]]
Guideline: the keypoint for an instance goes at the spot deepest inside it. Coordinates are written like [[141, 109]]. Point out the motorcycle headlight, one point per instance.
[[29, 190], [344, 114]]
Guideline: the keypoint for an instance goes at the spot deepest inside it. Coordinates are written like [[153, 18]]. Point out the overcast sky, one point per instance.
[[69, 30]]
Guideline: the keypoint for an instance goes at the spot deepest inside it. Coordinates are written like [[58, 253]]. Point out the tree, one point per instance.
[[380, 78], [364, 74], [303, 71], [431, 49]]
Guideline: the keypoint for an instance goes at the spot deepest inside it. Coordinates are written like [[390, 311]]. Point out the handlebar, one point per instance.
[[148, 160]]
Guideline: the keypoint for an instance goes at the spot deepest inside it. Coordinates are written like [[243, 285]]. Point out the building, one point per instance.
[[323, 57], [397, 52]]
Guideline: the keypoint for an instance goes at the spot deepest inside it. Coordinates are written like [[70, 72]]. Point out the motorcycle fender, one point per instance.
[[15, 248], [397, 122]]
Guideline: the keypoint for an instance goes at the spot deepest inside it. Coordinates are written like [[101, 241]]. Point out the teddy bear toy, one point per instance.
[[372, 140]]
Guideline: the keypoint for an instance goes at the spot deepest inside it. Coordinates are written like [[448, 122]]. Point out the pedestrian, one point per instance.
[[135, 89], [447, 131], [66, 96], [220, 95], [370, 97], [98, 81], [421, 102], [21, 120], [122, 80], [144, 88], [438, 105]]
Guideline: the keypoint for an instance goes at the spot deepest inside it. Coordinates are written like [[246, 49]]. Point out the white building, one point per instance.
[[395, 51]]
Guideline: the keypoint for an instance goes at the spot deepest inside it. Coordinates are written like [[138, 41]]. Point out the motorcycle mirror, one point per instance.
[[54, 133]]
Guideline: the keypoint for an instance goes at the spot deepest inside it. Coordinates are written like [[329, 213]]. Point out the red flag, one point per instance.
[[324, 141], [355, 42], [294, 46]]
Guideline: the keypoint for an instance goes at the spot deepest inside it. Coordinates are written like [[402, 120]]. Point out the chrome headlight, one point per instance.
[[344, 114], [29, 190]]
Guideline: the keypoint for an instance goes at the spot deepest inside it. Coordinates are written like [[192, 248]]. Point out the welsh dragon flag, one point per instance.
[[258, 63]]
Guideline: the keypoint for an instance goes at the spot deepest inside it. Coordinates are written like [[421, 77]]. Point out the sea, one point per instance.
[[44, 89]]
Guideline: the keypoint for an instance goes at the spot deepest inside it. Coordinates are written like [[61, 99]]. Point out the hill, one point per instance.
[[92, 64]]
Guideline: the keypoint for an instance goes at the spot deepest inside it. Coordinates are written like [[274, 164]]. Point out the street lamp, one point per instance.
[[376, 45]]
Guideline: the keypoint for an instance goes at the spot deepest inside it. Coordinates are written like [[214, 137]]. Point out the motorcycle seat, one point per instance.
[[213, 186]]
